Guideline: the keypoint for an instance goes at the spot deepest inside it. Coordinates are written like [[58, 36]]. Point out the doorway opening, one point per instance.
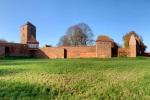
[[32, 53], [7, 51], [65, 53]]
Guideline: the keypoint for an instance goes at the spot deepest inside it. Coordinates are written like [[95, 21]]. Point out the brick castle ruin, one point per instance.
[[104, 47]]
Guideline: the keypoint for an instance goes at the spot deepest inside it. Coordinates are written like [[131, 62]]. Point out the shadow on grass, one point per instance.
[[14, 63], [17, 91], [17, 58], [4, 72], [20, 62]]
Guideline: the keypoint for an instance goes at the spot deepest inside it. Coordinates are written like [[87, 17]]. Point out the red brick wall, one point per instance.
[[123, 52], [28, 33], [2, 51], [103, 49], [50, 52], [81, 52], [132, 46], [72, 52], [14, 49], [23, 34]]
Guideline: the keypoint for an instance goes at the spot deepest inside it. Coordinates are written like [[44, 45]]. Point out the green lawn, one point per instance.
[[75, 79]]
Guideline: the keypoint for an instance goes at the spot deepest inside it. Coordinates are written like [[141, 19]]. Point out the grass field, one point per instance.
[[75, 79]]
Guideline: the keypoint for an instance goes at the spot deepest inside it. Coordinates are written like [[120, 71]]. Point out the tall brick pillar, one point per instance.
[[103, 47], [132, 46]]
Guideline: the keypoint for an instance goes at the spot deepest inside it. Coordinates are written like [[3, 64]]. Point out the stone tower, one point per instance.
[[132, 46], [103, 47], [28, 35]]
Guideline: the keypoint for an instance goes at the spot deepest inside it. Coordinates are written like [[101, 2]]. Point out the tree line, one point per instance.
[[82, 35]]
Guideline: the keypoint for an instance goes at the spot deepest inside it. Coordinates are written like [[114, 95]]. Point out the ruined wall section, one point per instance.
[[123, 52], [13, 49], [132, 46]]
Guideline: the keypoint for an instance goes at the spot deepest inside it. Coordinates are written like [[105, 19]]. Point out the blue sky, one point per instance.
[[53, 17]]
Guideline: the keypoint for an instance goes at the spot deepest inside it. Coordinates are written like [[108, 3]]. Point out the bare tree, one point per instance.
[[80, 34], [64, 41]]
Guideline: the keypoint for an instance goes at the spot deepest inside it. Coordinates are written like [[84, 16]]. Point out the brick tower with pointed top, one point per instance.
[[132, 46]]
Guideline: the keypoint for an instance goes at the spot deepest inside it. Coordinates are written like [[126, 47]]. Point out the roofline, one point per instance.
[[27, 24], [104, 41]]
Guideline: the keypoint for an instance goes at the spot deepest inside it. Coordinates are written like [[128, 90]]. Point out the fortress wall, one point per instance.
[[67, 52], [81, 52], [2, 51], [50, 52], [123, 52], [103, 49], [13, 49]]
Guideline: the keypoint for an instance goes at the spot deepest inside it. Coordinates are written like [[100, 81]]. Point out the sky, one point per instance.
[[52, 18]]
